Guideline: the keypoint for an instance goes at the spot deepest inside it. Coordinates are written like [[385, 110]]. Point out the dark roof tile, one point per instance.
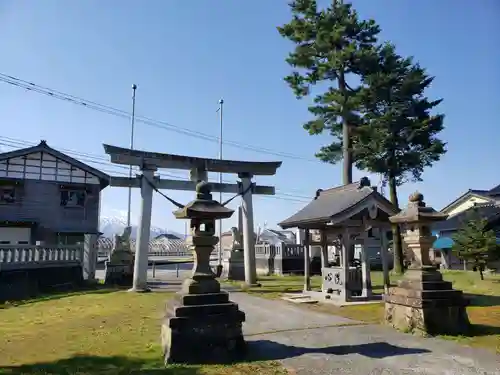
[[494, 191], [332, 202], [484, 210]]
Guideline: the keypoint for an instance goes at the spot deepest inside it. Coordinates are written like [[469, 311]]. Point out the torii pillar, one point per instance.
[[149, 162], [248, 229], [141, 264]]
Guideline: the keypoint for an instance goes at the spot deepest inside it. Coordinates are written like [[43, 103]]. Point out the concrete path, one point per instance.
[[310, 342]]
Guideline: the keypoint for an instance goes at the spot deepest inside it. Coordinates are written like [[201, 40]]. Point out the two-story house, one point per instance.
[[47, 196], [275, 237], [481, 203]]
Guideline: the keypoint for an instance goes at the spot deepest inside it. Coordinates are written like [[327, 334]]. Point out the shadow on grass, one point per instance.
[[171, 285], [95, 289], [479, 330], [265, 350], [84, 365], [482, 300]]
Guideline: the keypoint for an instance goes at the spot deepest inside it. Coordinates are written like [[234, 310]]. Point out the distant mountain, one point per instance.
[[110, 226]]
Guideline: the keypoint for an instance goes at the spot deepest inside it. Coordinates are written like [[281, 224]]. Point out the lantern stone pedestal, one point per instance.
[[201, 324], [423, 302], [119, 270], [234, 268]]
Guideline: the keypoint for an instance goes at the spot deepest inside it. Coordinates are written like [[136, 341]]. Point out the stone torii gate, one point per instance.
[[150, 162]]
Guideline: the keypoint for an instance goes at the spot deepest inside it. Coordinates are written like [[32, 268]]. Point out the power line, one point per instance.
[[102, 161], [145, 120]]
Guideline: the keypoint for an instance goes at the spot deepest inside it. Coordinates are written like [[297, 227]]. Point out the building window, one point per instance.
[[73, 198], [23, 243], [7, 194], [4, 242], [69, 239]]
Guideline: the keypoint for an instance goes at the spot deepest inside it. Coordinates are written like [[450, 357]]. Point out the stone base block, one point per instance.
[[424, 303], [202, 328], [119, 274], [451, 320]]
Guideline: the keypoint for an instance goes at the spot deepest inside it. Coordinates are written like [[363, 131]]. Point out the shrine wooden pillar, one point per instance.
[[307, 261], [346, 247], [383, 255], [324, 248], [365, 267]]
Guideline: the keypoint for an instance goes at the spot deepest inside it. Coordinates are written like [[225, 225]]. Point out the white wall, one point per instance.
[[14, 235]]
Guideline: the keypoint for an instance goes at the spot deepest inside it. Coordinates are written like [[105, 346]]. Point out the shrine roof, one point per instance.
[[337, 204], [126, 156]]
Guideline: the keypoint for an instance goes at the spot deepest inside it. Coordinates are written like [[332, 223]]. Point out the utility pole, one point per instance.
[[132, 123], [221, 104]]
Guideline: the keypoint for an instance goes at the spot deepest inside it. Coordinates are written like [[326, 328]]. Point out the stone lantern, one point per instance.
[[422, 302], [201, 325]]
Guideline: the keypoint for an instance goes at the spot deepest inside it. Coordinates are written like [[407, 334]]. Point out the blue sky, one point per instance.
[[185, 55]]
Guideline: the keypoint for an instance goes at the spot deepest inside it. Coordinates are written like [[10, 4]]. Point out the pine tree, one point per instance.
[[474, 243], [398, 134], [331, 45]]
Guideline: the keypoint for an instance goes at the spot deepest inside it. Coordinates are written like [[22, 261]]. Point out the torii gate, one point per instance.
[[149, 162]]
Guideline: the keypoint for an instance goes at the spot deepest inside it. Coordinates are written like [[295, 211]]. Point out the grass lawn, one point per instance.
[[484, 312], [97, 332]]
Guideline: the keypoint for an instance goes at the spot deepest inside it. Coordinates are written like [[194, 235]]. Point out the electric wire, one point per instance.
[[30, 86], [102, 161]]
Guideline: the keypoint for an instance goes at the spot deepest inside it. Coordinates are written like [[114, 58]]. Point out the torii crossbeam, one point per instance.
[[149, 162]]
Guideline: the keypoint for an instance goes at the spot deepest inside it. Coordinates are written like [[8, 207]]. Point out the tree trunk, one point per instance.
[[480, 268], [397, 246], [346, 136]]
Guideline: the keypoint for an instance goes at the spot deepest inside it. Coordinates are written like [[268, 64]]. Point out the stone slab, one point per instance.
[[298, 298]]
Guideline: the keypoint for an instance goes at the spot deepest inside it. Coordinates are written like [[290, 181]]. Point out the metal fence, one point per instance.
[[157, 247]]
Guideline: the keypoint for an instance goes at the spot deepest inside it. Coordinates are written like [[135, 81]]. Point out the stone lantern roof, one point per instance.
[[204, 206], [417, 211]]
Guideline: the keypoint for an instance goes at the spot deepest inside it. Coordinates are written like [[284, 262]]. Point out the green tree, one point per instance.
[[398, 135], [331, 45], [474, 243]]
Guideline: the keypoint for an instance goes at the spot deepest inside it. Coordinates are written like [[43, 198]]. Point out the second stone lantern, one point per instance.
[[201, 325], [423, 302]]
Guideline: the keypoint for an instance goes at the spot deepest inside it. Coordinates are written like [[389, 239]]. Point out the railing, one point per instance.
[[281, 251], [279, 259], [26, 256], [156, 247], [293, 251], [184, 253]]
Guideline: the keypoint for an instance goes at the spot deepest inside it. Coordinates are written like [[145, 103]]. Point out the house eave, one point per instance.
[[461, 199], [43, 147]]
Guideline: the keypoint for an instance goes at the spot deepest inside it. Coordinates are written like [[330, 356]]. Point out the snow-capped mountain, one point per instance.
[[110, 226]]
